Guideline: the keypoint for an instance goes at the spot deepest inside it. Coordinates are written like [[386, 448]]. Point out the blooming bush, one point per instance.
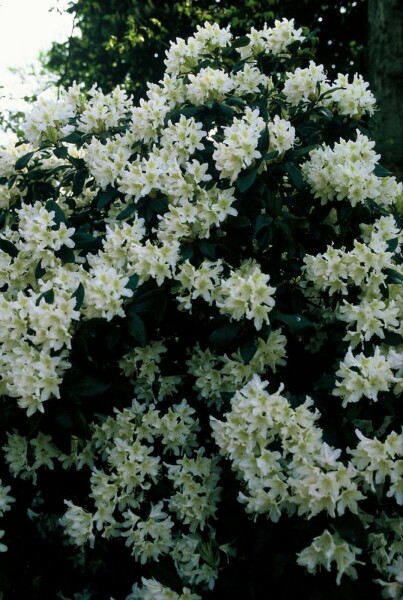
[[201, 351]]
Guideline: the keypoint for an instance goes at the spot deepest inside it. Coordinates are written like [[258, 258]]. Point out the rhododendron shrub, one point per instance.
[[200, 344]]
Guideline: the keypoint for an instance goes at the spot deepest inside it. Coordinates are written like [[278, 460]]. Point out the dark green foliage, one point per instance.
[[124, 41]]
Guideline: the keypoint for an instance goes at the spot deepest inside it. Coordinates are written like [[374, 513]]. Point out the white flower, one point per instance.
[[3, 547], [16, 456], [281, 135], [150, 538], [78, 524], [151, 589], [197, 493], [106, 161], [103, 111], [199, 282], [38, 230], [208, 84], [5, 499], [304, 84], [272, 40], [249, 80], [347, 172], [326, 549], [105, 290], [362, 375], [370, 317], [183, 137], [49, 119], [239, 148], [246, 293], [44, 451], [352, 99]]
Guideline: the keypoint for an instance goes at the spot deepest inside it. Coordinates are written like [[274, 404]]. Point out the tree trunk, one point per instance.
[[385, 69]]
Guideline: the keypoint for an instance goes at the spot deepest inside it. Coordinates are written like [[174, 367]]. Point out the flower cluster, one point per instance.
[[326, 549], [362, 375], [121, 490], [239, 148], [216, 375], [379, 461], [5, 502], [348, 172], [370, 317], [307, 85], [305, 476], [151, 589], [244, 294], [271, 40]]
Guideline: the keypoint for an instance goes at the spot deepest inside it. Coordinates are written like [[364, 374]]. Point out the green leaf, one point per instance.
[[152, 302], [207, 62], [392, 338], [380, 171], [187, 252], [78, 182], [105, 197], [294, 175], [48, 296], [52, 206], [238, 222], [66, 255], [392, 244], [245, 182], [61, 152], [225, 109], [158, 206], [223, 336], [325, 113], [262, 221], [113, 338], [248, 351], [270, 155], [241, 42], [88, 386], [8, 247], [74, 138], [393, 276], [132, 283], [286, 230], [325, 382], [85, 241], [23, 161], [188, 111], [344, 212], [207, 249], [137, 329], [311, 34], [296, 322], [384, 289], [264, 140], [302, 151], [39, 271], [264, 332], [275, 203], [126, 212], [236, 101], [79, 296], [351, 529], [38, 174]]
